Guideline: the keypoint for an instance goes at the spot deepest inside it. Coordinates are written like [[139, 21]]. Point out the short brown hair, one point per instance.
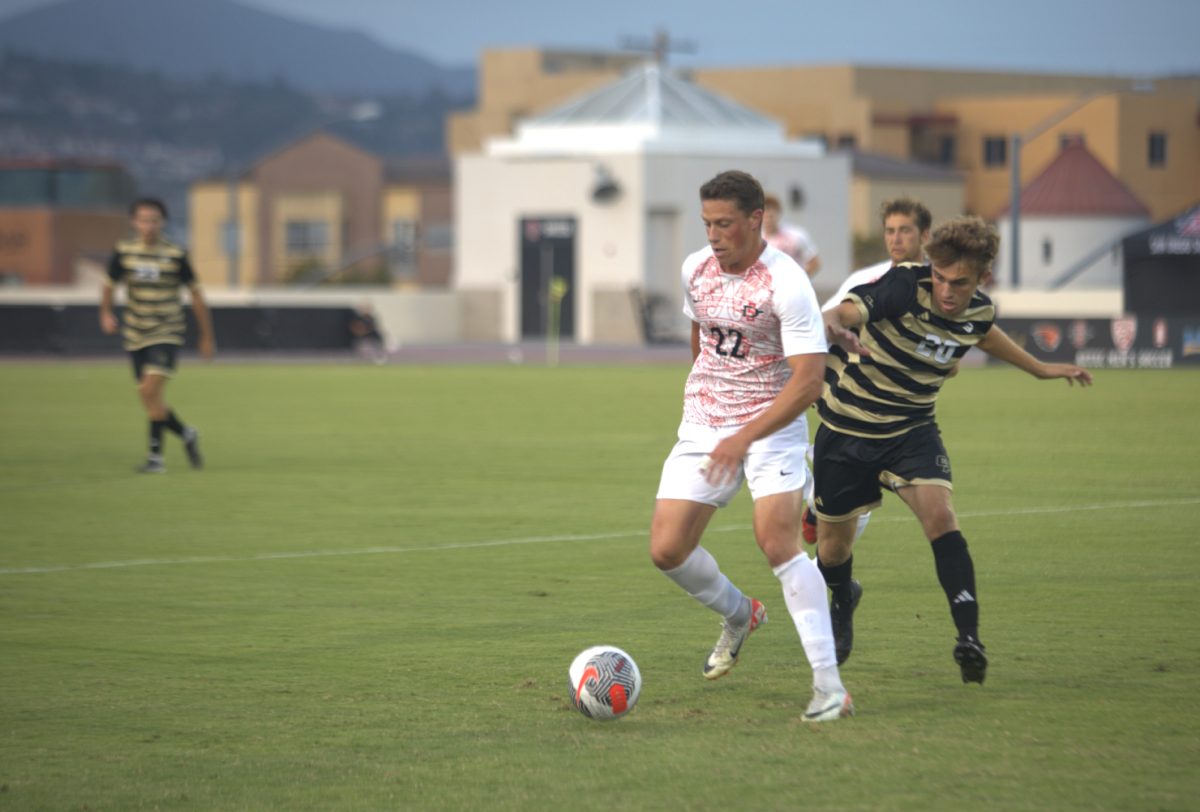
[[772, 202], [909, 208], [740, 187], [964, 239]]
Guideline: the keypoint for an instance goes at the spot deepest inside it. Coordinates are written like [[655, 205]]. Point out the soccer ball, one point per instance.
[[604, 682]]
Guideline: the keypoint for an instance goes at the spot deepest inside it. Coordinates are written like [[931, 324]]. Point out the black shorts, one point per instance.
[[850, 472], [157, 359]]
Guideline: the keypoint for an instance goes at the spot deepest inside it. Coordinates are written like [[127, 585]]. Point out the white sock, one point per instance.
[[808, 603], [701, 578]]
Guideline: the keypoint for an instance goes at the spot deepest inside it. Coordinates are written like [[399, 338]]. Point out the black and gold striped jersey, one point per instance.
[[153, 276], [912, 350]]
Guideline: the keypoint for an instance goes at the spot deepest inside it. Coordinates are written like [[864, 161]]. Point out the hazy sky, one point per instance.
[[1085, 36]]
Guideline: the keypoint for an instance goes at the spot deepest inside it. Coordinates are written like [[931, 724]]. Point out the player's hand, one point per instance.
[[208, 347], [108, 322], [724, 463], [1072, 373], [845, 338]]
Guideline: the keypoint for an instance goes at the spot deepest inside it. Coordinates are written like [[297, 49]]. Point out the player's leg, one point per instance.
[[778, 480], [846, 488], [685, 504], [675, 549], [152, 380], [933, 507], [161, 360]]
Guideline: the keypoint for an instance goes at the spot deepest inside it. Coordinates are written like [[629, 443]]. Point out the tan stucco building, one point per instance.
[[1146, 134], [320, 206]]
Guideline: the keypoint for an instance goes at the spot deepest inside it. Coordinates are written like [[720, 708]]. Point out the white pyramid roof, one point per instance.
[[649, 110]]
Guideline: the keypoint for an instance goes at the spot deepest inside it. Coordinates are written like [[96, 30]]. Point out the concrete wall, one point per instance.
[[1071, 240], [616, 250], [406, 317]]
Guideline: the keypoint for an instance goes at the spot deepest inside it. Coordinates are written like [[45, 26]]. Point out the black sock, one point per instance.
[[956, 572], [837, 578], [172, 423], [156, 431]]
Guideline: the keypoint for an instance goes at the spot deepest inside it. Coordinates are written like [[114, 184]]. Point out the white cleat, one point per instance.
[[724, 655], [826, 707]]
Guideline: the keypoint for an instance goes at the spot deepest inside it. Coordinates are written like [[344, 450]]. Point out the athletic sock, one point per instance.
[[156, 433], [956, 573], [804, 594], [701, 578], [837, 578], [172, 422]]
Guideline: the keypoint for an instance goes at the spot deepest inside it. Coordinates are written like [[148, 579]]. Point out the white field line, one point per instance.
[[470, 545]]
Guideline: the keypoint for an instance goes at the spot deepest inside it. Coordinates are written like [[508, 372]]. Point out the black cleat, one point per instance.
[[191, 442], [968, 653], [843, 622]]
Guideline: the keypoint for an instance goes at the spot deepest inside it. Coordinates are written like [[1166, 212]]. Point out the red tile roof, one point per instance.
[[1077, 183]]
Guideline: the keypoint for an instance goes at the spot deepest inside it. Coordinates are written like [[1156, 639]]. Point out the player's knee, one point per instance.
[[940, 523], [667, 557]]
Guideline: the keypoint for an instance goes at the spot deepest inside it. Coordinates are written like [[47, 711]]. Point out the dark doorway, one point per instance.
[[547, 254]]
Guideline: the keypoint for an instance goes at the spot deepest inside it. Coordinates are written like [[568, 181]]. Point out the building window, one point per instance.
[[995, 150], [1067, 139], [1047, 251], [438, 237], [306, 237], [847, 141], [946, 150], [26, 187], [1157, 147], [231, 237]]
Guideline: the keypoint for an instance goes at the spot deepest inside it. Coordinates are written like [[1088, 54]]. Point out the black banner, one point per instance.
[[1127, 342], [75, 329]]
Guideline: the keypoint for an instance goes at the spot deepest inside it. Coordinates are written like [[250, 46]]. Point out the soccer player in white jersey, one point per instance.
[[791, 239], [906, 224], [758, 349]]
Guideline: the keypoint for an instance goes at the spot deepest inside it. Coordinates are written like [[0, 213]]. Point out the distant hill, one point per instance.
[[197, 39]]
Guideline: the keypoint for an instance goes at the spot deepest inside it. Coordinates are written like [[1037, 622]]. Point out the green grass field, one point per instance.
[[370, 597]]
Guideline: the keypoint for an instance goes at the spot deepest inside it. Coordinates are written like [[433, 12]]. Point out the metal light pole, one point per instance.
[[233, 232], [1014, 212]]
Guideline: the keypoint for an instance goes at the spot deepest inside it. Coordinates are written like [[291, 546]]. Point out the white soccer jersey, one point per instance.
[[749, 324], [794, 241], [867, 275]]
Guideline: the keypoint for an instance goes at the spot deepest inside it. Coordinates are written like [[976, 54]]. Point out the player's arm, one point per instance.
[[813, 265], [695, 341], [998, 345], [800, 392], [108, 322], [115, 271], [207, 342], [841, 322]]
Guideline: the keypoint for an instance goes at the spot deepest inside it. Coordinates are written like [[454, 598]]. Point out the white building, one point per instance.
[[603, 193], [1074, 215]]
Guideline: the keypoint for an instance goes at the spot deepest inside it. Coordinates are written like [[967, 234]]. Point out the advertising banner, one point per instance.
[[1127, 342]]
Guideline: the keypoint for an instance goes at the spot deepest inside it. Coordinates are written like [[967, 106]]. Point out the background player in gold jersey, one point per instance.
[[153, 271], [877, 411]]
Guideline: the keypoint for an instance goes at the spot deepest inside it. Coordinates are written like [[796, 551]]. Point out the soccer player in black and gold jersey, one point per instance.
[[877, 411], [153, 271]]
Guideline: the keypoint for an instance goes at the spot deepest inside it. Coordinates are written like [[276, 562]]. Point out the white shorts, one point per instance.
[[774, 464]]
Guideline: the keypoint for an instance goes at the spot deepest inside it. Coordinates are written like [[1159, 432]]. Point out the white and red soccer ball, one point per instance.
[[604, 683]]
